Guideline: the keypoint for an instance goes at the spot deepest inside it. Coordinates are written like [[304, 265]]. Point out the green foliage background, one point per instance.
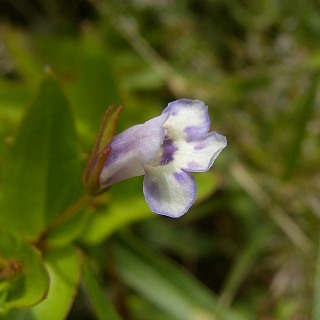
[[248, 248]]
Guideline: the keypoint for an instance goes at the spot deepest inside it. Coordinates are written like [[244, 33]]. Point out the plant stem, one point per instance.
[[71, 211]]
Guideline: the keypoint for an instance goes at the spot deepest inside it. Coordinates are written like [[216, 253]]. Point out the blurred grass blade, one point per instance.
[[41, 173], [97, 87], [250, 184], [164, 284], [316, 297], [243, 264], [26, 61], [302, 114], [99, 301]]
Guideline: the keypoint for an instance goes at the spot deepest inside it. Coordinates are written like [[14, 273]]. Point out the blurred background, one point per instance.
[[252, 237]]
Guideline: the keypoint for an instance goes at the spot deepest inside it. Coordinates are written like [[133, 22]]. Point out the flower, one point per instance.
[[165, 149]]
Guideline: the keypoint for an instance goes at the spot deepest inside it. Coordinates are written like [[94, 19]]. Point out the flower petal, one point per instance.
[[198, 156], [192, 148], [169, 191], [131, 150], [187, 119]]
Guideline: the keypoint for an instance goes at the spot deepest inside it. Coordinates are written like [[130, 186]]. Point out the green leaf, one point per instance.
[[41, 173], [70, 230], [116, 213], [64, 271], [120, 213], [102, 307], [24, 280], [164, 284]]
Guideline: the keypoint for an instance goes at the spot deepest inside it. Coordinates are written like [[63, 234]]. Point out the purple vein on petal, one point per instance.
[[168, 150]]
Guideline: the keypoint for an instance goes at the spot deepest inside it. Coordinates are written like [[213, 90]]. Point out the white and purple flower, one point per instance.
[[165, 150]]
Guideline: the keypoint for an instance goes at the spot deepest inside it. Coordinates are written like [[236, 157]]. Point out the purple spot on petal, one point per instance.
[[190, 131], [180, 177], [153, 188], [193, 166], [168, 150], [200, 146], [195, 132]]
